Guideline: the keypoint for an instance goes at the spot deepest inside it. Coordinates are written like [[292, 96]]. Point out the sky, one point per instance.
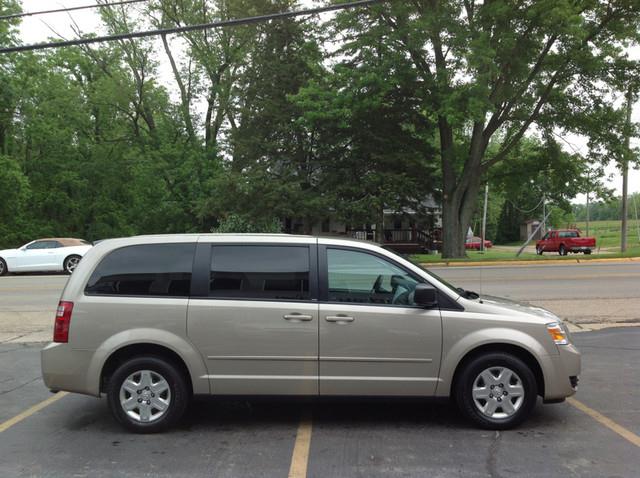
[[39, 28]]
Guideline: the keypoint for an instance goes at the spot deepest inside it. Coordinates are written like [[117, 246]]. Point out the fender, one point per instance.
[[184, 349], [453, 354]]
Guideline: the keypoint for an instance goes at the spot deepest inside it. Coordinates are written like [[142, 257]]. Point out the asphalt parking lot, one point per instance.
[[73, 435]]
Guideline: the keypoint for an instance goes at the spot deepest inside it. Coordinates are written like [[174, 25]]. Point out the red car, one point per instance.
[[564, 241], [474, 243]]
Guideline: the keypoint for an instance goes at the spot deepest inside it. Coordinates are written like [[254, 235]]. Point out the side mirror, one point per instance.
[[425, 295]]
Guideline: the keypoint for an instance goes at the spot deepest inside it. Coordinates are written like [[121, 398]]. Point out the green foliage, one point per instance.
[[488, 71], [242, 224], [537, 170], [610, 209], [375, 108]]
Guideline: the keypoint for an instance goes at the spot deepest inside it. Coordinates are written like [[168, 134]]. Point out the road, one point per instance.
[[584, 293], [602, 280], [76, 436]]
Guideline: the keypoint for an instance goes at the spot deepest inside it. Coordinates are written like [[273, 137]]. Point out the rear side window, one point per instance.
[[158, 270], [260, 272]]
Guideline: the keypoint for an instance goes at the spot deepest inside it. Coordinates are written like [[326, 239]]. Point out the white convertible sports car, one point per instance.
[[44, 255]]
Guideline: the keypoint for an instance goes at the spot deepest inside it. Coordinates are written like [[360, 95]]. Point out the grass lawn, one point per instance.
[[490, 255], [607, 234]]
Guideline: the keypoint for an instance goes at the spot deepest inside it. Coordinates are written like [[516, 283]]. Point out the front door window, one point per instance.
[[358, 277]]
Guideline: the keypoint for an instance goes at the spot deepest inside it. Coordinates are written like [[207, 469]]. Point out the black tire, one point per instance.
[[587, 252], [70, 263], [3, 267], [539, 251], [470, 374], [180, 395], [562, 251]]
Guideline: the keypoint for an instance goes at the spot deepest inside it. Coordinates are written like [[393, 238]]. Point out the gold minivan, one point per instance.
[[151, 321]]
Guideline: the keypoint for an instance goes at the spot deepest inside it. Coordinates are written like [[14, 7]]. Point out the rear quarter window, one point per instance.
[[157, 270]]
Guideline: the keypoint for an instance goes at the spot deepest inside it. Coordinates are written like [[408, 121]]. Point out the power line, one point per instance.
[[69, 9], [188, 28], [530, 210]]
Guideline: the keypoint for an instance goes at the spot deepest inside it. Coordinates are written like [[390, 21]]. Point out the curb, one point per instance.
[[529, 262]]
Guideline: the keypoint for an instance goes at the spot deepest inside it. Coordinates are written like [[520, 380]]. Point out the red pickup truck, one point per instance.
[[564, 241]]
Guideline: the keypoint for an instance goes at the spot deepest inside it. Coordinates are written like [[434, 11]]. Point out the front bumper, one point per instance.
[[561, 373], [65, 368]]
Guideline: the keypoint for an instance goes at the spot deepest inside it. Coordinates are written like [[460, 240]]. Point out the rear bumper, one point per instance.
[[581, 248], [561, 373], [65, 368]]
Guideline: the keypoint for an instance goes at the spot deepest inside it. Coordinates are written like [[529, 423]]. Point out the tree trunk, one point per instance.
[[185, 100], [208, 137], [3, 140], [453, 232], [457, 209]]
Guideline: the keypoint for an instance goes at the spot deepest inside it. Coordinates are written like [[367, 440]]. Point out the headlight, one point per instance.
[[557, 333]]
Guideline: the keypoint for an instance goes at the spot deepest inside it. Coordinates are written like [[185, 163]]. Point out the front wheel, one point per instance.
[[539, 250], [3, 267], [147, 394], [562, 251], [497, 391], [70, 264]]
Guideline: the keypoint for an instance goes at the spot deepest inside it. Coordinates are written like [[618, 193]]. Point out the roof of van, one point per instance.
[[239, 237]]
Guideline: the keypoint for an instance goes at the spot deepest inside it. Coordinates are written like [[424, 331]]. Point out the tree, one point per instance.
[[368, 137], [539, 171], [243, 225], [491, 70]]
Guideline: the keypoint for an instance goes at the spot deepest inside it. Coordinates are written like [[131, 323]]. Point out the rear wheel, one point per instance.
[[562, 251], [147, 394], [539, 250], [3, 267], [497, 391], [70, 264], [587, 251]]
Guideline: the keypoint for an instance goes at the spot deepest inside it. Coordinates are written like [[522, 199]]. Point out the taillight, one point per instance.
[[63, 320]]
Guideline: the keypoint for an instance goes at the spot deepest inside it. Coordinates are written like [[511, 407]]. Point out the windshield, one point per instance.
[[435, 276]]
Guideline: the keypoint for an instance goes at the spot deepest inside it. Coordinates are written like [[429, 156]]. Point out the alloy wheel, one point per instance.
[[498, 392], [71, 264], [145, 396]]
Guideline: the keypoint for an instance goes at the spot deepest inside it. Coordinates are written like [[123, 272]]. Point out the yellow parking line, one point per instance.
[[30, 411], [300, 457], [607, 422]]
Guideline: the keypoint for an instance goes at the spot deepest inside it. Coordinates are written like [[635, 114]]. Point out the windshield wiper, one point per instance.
[[468, 294]]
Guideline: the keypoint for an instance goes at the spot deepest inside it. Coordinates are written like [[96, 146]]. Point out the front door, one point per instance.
[[256, 324], [373, 339], [33, 257]]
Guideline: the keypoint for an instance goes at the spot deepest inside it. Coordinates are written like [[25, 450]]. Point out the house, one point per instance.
[[407, 230]]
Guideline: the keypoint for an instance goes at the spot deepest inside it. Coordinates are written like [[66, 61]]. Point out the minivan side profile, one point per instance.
[[151, 321]]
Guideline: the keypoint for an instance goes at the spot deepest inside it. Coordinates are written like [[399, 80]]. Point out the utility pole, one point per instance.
[[484, 217], [544, 213], [588, 191], [625, 172], [635, 207]]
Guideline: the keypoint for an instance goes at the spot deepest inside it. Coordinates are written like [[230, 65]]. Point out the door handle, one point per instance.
[[341, 319], [297, 317]]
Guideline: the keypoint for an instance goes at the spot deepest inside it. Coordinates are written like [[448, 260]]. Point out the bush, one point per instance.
[[241, 224]]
